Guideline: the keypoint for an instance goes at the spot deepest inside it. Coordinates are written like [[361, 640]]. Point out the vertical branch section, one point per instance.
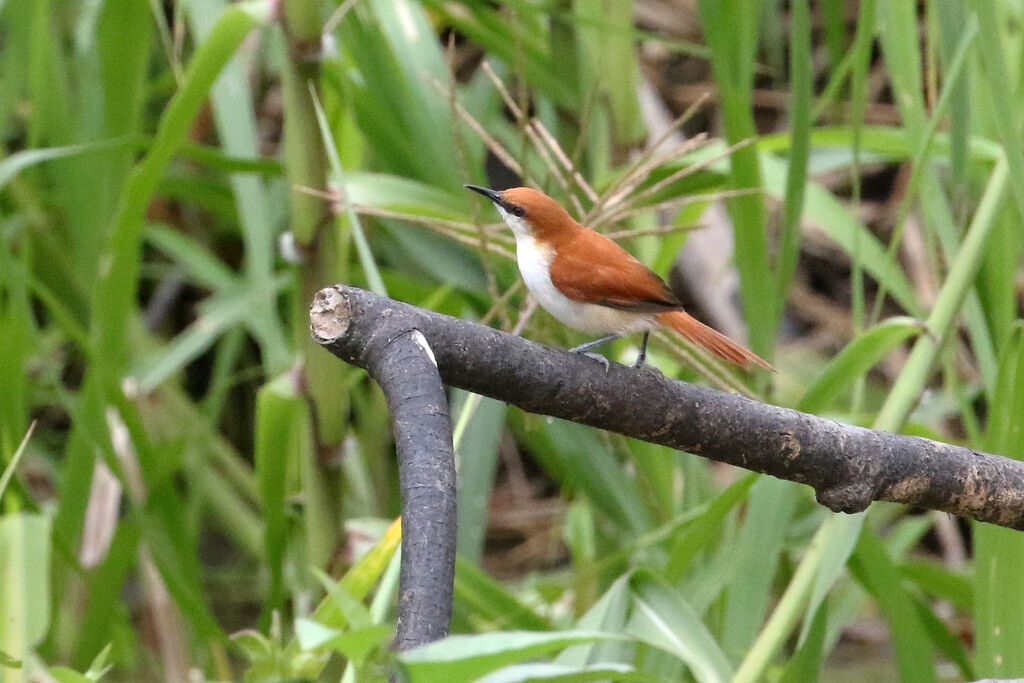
[[399, 359]]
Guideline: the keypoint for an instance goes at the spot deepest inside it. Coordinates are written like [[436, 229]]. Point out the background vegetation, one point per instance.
[[202, 484]]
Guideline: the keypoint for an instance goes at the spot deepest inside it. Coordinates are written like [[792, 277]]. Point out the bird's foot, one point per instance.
[[642, 364], [600, 359]]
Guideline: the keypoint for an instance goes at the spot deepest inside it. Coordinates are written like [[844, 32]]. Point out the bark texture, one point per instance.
[[401, 361]]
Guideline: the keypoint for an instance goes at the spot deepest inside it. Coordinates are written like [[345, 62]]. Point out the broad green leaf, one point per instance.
[[24, 582], [65, 675], [757, 551], [806, 663], [477, 453], [465, 658], [941, 582], [359, 579], [662, 617], [352, 611], [576, 457], [538, 672], [609, 614], [100, 666]]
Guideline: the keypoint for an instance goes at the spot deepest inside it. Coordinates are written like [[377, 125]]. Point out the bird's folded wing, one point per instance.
[[594, 269]]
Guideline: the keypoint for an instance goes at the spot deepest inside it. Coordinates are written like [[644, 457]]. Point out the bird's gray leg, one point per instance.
[[642, 358], [592, 344], [584, 349]]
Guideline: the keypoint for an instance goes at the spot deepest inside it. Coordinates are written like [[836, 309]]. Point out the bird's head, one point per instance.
[[529, 212]]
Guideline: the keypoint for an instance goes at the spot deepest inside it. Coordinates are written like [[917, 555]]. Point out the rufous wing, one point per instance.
[[591, 268]]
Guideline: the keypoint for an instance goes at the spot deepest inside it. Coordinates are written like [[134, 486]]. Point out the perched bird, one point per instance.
[[591, 284]]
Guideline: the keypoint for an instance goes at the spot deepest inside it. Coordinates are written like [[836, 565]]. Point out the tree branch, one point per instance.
[[401, 361], [849, 467]]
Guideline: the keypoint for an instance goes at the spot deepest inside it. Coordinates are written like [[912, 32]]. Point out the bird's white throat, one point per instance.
[[520, 228]]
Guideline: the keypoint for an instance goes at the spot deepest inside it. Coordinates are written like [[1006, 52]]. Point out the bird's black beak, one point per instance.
[[493, 195]]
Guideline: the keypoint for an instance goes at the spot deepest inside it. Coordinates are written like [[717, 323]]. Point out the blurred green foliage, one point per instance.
[[177, 179]]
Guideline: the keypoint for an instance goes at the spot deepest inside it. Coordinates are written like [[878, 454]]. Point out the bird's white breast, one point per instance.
[[534, 264]]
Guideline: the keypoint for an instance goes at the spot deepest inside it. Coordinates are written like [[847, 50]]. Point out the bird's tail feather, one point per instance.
[[711, 339]]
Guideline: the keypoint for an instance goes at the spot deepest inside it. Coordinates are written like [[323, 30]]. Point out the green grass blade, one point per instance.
[[24, 583], [279, 414], [117, 285], [854, 361], [480, 594], [801, 79], [759, 547], [467, 658], [911, 381], [662, 617], [999, 553], [12, 464], [873, 568], [477, 452]]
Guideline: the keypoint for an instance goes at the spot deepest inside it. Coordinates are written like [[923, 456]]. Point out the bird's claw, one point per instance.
[[600, 359]]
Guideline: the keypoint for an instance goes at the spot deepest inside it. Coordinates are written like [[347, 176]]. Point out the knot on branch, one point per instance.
[[850, 497]]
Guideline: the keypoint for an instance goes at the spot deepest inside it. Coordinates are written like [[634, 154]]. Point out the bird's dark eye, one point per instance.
[[518, 211]]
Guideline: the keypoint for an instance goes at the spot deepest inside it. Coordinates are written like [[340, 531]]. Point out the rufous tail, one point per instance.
[[711, 339]]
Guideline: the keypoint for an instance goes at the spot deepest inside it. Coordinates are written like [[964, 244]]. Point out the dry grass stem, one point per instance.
[[647, 232], [687, 170], [500, 303], [710, 368], [638, 173], [559, 153], [532, 134], [678, 202]]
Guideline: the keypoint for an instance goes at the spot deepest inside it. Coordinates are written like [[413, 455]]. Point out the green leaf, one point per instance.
[[581, 462], [26, 158], [480, 426], [488, 600], [359, 579], [8, 472], [254, 644], [353, 612], [999, 552], [662, 618], [762, 537], [280, 425], [65, 675], [705, 529], [24, 582], [354, 644], [99, 666], [537, 672], [854, 361], [610, 615], [464, 658], [873, 568]]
